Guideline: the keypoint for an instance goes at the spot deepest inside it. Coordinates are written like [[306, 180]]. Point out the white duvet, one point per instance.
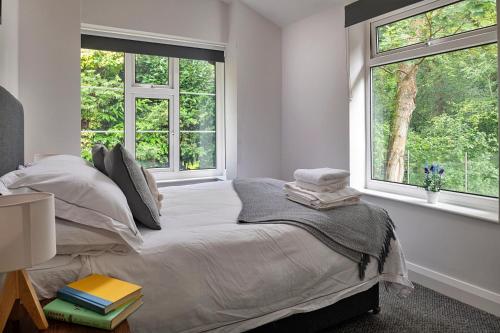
[[204, 272]]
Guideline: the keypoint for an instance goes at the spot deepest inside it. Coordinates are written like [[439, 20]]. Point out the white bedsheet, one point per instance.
[[204, 272]]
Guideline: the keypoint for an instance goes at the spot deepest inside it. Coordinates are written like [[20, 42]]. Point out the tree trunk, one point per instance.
[[405, 105]]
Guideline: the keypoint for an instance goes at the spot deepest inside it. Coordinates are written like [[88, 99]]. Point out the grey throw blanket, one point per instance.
[[357, 232]]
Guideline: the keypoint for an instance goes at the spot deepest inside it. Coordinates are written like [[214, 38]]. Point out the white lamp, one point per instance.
[[27, 238]]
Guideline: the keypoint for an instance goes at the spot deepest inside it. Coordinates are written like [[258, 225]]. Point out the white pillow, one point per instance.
[[73, 238], [83, 194], [3, 189], [153, 188]]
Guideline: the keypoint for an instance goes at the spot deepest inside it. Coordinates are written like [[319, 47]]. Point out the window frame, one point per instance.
[[466, 40], [134, 84], [378, 22], [133, 91]]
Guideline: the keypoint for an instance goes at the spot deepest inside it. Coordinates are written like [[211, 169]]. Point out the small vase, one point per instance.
[[432, 197]]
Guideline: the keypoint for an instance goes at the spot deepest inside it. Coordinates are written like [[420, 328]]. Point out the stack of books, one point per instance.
[[97, 300]]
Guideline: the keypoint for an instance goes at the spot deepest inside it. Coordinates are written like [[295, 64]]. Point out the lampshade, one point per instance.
[[27, 230]]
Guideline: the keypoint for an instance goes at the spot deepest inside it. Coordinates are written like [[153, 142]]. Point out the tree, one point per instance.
[[405, 105], [445, 21], [103, 108], [446, 111]]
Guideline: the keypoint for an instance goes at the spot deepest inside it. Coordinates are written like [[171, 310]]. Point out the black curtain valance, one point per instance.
[[363, 10], [139, 47]]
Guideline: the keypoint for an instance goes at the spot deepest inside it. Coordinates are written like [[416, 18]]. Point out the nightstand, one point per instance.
[[21, 323]]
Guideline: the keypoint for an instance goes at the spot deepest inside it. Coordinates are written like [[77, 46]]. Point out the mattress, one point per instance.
[[205, 272]]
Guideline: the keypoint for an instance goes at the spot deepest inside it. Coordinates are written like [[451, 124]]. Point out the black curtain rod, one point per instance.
[[363, 10], [149, 48]]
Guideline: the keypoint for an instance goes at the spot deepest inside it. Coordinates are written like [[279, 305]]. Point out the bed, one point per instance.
[[205, 272]]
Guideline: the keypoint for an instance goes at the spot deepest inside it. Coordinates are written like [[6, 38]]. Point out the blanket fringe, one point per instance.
[[390, 235], [365, 260], [384, 252]]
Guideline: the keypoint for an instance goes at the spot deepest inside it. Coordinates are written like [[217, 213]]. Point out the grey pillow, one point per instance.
[[98, 153], [122, 168]]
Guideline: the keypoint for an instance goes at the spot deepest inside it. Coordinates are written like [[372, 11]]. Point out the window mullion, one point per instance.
[[220, 129], [129, 104], [175, 117]]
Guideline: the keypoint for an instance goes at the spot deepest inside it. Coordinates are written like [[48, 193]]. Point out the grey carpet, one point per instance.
[[423, 311]]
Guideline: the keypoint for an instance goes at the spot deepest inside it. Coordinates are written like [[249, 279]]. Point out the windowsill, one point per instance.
[[483, 215], [188, 181]]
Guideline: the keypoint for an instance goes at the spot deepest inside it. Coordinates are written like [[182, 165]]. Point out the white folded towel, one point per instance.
[[323, 188], [321, 176], [322, 200]]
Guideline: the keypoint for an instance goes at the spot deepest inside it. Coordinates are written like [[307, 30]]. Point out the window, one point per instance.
[[197, 115], [166, 111], [102, 99], [446, 21], [434, 97]]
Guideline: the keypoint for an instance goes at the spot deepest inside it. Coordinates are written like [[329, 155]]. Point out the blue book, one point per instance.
[[99, 293]]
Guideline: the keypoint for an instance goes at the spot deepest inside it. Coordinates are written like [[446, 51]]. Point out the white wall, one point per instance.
[[254, 55], [9, 31], [203, 20], [456, 246], [253, 67], [49, 48], [49, 75], [315, 130], [315, 118]]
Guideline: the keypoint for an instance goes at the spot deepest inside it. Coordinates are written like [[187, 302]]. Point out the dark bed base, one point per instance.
[[316, 321]]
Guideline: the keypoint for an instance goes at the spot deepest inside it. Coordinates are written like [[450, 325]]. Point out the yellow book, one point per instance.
[[99, 293]]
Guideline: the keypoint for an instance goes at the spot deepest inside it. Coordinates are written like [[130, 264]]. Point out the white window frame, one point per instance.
[[171, 92], [373, 59], [171, 73]]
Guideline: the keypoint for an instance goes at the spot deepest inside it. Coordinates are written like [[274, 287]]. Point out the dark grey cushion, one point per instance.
[[98, 153], [11, 132], [122, 168]]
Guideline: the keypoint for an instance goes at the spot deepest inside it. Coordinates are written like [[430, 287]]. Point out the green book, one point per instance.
[[71, 313]]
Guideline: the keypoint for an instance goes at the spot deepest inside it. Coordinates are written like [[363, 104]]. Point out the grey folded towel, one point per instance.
[[357, 232]]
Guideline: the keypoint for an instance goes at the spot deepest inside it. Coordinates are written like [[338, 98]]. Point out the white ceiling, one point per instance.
[[284, 12]]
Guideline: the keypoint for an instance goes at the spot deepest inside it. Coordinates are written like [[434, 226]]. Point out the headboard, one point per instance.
[[11, 132]]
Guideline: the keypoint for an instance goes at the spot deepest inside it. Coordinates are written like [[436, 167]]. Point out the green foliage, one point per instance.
[[197, 115], [442, 22], [455, 122], [102, 99], [103, 109], [152, 132], [151, 69]]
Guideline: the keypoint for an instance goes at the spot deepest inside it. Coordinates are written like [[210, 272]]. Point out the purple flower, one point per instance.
[[433, 169], [441, 171], [426, 169]]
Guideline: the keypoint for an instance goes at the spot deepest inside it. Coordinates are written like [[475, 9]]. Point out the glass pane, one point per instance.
[[102, 99], [198, 128], [197, 115], [442, 22], [198, 150], [197, 76], [152, 132], [151, 69], [439, 109]]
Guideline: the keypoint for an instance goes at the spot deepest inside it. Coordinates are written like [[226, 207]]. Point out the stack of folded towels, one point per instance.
[[322, 188]]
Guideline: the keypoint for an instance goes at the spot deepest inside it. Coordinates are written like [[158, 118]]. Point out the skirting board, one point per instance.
[[475, 296]]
